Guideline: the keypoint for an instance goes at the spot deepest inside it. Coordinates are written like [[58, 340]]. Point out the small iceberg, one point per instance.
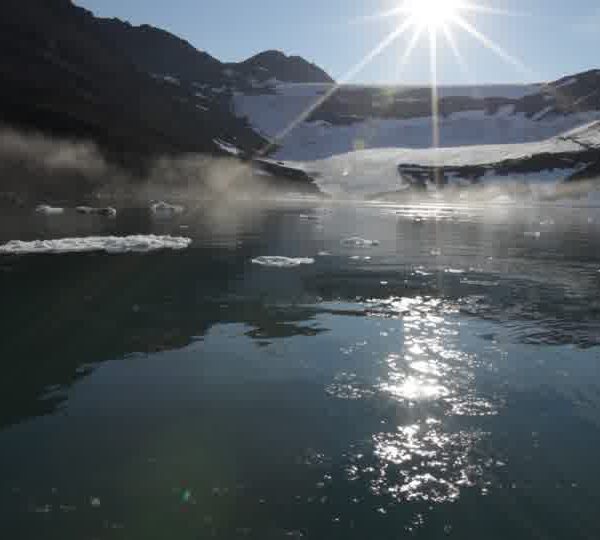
[[49, 210], [503, 199], [108, 244], [358, 242], [164, 209], [282, 262], [532, 234], [359, 258], [306, 217], [109, 211]]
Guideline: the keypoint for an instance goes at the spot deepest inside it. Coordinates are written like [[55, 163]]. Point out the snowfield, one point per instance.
[[359, 156], [369, 172], [271, 113]]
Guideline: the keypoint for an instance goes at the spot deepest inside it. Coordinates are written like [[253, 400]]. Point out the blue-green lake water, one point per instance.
[[442, 383]]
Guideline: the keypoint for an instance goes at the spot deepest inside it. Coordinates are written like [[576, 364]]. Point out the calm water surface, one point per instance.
[[444, 383]]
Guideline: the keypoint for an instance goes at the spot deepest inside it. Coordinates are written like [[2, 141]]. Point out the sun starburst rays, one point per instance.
[[437, 18], [494, 47]]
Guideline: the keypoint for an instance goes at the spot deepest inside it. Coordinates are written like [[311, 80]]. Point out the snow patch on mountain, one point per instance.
[[272, 113], [369, 172]]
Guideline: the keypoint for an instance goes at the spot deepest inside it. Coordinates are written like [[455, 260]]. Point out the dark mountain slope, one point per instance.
[[63, 73], [156, 51]]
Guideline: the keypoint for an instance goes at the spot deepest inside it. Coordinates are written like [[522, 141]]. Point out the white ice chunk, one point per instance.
[[165, 209], [109, 244], [358, 242], [109, 211], [49, 210], [281, 262]]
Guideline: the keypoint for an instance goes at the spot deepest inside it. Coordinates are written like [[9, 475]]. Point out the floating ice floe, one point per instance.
[[282, 262], [109, 211], [162, 208], [49, 210], [356, 241], [305, 217], [534, 234], [109, 244]]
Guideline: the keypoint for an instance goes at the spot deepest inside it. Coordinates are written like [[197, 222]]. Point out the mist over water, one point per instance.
[[37, 168]]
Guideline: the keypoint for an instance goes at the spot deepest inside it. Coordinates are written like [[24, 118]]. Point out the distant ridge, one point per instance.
[[158, 51]]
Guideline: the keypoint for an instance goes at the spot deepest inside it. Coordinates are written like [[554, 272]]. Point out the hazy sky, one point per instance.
[[551, 38]]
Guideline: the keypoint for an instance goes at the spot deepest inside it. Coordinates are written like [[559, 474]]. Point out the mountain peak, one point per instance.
[[285, 68], [268, 55]]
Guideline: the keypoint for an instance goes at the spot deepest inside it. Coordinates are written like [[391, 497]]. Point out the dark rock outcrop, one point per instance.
[[568, 95], [586, 163]]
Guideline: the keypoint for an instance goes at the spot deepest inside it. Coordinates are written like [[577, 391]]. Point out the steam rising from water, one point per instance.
[[37, 168]]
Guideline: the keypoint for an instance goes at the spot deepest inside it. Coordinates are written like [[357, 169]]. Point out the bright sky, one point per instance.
[[551, 38]]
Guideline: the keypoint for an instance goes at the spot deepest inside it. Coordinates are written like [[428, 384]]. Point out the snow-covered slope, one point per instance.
[[366, 173], [357, 118]]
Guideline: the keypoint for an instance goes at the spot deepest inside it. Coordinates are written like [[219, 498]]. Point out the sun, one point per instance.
[[433, 14], [434, 20]]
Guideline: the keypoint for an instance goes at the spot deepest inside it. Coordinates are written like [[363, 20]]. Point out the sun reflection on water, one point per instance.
[[415, 389], [431, 380], [423, 462]]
